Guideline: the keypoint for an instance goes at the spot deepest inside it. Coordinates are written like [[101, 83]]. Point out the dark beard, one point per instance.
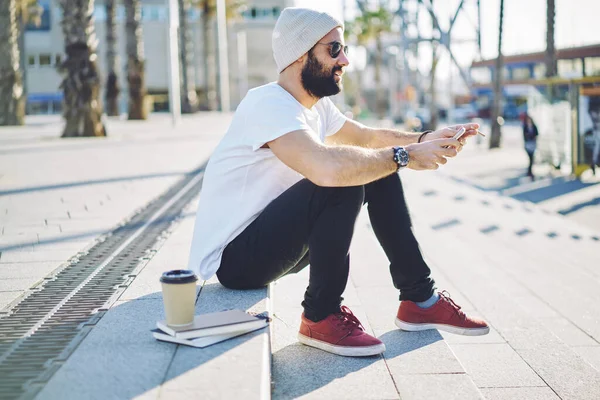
[[317, 81]]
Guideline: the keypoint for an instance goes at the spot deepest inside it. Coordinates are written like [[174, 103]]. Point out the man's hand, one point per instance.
[[450, 131], [431, 154]]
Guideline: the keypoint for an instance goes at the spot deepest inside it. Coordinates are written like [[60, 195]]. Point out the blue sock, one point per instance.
[[429, 302]]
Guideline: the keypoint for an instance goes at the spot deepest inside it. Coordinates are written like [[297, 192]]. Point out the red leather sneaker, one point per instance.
[[340, 333], [444, 315]]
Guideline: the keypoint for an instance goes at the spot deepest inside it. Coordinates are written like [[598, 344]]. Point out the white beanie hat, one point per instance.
[[297, 30]]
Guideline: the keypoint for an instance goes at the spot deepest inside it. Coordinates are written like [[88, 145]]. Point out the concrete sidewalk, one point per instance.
[[532, 274]]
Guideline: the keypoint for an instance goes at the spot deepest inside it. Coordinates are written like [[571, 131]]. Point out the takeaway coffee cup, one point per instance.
[[179, 296]]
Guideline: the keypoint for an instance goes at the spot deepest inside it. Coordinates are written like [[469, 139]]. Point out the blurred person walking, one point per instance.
[[530, 133], [592, 136]]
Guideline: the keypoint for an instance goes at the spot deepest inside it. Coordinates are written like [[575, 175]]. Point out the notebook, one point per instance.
[[219, 323]]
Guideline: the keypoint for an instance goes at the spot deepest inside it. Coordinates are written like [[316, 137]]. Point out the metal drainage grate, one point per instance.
[[41, 329]]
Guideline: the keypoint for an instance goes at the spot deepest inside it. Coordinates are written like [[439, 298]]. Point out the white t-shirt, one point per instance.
[[242, 178]]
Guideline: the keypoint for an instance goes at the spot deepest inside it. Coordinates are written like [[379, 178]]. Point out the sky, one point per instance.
[[577, 24]]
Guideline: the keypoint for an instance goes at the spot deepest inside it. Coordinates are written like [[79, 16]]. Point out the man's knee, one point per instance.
[[239, 283]]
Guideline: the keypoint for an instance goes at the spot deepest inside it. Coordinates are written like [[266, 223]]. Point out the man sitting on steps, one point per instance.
[[284, 188]]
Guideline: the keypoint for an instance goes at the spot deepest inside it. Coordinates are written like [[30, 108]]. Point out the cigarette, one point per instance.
[[480, 133]]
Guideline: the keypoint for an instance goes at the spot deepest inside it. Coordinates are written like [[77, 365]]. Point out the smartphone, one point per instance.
[[460, 132]]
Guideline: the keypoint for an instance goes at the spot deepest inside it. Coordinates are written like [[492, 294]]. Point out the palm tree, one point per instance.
[[210, 53], [209, 11], [434, 63], [433, 110], [12, 104], [368, 26], [135, 60], [112, 61], [81, 84], [189, 100], [550, 50], [497, 104], [550, 55]]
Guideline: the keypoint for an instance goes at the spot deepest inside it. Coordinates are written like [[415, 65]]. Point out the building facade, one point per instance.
[[249, 47], [524, 71]]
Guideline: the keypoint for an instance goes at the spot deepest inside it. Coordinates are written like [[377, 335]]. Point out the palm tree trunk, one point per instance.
[[135, 60], [112, 60], [497, 104], [379, 93], [210, 55], [550, 50], [189, 100], [433, 106], [12, 105], [81, 85]]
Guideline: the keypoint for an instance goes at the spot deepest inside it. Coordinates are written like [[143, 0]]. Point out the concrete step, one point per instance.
[[120, 359]]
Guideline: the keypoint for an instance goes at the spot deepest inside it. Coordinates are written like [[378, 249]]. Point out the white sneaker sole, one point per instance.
[[347, 351], [406, 326]]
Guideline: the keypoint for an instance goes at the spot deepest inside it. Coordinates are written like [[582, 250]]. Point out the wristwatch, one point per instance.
[[401, 157]]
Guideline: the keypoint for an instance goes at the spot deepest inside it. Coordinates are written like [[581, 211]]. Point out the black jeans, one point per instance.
[[313, 224]]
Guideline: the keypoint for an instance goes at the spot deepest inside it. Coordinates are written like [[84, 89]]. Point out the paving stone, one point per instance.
[[495, 365], [591, 354], [438, 386], [127, 360], [11, 230], [565, 372], [18, 284], [301, 371], [10, 257], [25, 270], [567, 332], [17, 240], [521, 393], [418, 353], [380, 304], [8, 297], [366, 252]]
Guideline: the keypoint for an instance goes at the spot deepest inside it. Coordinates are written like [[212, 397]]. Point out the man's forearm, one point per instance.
[[390, 137], [353, 166]]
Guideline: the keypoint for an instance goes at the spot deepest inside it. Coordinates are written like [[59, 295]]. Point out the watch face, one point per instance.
[[401, 156]]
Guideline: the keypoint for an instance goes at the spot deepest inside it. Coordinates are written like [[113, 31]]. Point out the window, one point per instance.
[[570, 68], [31, 60], [45, 59], [539, 71], [261, 13], [592, 66], [58, 60], [481, 75], [521, 73]]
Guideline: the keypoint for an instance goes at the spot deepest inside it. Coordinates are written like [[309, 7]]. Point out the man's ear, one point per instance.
[[301, 59]]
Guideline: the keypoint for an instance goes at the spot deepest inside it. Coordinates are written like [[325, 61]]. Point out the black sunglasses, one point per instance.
[[335, 48]]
